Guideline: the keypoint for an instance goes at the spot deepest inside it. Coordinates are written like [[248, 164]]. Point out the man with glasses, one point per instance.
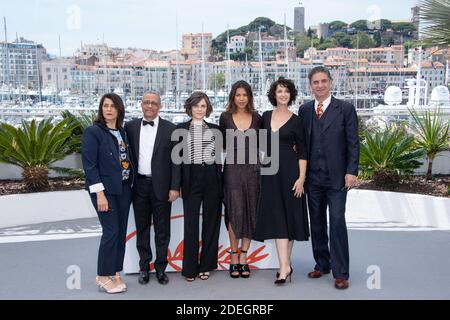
[[155, 187]]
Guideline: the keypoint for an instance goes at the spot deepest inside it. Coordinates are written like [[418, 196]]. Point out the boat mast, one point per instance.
[[419, 73], [6, 77], [356, 72], [177, 91], [261, 67], [228, 75], [203, 62], [286, 58]]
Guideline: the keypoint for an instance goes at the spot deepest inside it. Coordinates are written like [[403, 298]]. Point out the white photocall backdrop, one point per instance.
[[261, 255]]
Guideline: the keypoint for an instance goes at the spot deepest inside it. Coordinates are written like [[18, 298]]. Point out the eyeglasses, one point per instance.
[[153, 103]]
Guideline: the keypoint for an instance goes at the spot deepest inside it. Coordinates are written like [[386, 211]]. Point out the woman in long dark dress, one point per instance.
[[282, 211], [241, 178]]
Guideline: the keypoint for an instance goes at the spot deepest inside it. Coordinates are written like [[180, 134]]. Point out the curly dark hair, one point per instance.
[[289, 84], [194, 99]]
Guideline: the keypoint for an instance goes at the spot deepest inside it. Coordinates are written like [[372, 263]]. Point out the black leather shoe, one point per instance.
[[144, 276], [162, 277]]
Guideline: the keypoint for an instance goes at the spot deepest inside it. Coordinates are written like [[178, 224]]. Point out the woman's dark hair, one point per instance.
[[118, 104], [194, 99], [289, 84], [231, 106]]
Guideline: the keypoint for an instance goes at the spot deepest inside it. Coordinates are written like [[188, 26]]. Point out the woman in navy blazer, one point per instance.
[[109, 176]]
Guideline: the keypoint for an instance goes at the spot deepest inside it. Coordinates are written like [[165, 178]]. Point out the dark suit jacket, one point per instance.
[[339, 137], [165, 177], [185, 168], [100, 157]]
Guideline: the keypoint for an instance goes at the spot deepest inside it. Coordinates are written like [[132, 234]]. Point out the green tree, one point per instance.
[[360, 25], [435, 14], [327, 43], [217, 81], [261, 21], [410, 44], [80, 122], [384, 24], [35, 147], [219, 43], [406, 28], [365, 41], [302, 43], [388, 155], [432, 135], [249, 52], [238, 56], [377, 39], [388, 41], [337, 25], [343, 39]]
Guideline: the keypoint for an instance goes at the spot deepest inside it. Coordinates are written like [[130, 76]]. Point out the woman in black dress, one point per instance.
[[282, 208], [241, 178]]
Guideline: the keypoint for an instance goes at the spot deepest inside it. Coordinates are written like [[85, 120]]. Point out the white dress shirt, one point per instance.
[[326, 103], [146, 144]]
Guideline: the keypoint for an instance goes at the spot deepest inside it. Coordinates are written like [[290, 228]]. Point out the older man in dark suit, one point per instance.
[[157, 184], [331, 130]]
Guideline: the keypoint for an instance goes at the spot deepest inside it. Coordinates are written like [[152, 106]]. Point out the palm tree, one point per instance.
[[388, 155], [81, 122], [35, 147], [435, 15], [432, 135]]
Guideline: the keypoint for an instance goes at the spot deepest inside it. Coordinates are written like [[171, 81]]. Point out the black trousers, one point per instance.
[[336, 256], [204, 191], [114, 223], [147, 209]]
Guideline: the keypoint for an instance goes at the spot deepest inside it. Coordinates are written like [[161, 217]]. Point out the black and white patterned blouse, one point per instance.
[[201, 144]]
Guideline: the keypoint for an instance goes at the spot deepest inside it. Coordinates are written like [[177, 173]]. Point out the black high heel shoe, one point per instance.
[[235, 269], [244, 268], [278, 274], [283, 281]]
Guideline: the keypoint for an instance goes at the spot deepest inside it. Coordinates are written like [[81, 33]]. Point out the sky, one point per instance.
[[152, 24]]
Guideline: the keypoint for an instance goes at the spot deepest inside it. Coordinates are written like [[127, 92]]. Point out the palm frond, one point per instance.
[[79, 173], [435, 15], [391, 150], [36, 145]]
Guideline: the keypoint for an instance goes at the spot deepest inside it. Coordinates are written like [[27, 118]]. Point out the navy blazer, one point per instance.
[[339, 137], [185, 168], [100, 157]]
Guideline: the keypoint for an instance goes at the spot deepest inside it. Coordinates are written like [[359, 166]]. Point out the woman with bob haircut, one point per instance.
[[201, 186]]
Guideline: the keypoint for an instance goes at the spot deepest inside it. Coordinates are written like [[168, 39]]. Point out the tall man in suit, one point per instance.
[[331, 131], [156, 186]]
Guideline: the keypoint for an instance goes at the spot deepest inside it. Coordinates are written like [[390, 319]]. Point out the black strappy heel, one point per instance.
[[234, 268], [244, 268]]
